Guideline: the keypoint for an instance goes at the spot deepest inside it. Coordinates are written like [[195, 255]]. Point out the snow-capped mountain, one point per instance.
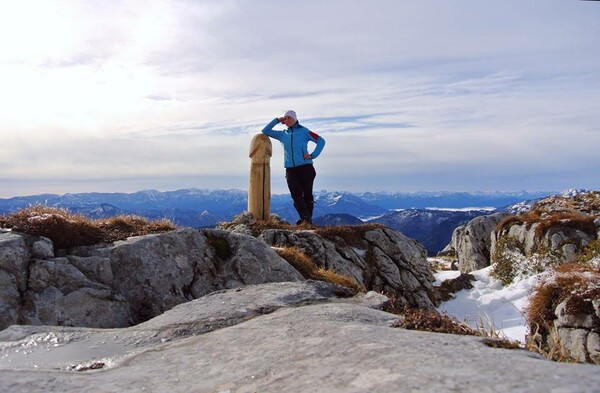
[[573, 192], [345, 202], [103, 210], [518, 208], [206, 207], [423, 200]]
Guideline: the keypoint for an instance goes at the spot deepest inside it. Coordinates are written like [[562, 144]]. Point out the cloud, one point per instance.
[[409, 95]]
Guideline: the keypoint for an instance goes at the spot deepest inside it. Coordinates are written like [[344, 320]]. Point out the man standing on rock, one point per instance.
[[299, 170]]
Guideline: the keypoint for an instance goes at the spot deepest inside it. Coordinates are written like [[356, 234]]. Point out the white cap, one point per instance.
[[291, 114]]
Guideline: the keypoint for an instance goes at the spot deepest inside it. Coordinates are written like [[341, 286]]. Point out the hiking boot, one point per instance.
[[304, 223]]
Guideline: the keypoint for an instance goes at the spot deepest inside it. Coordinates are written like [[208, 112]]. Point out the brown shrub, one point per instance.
[[339, 279], [259, 226], [307, 267], [503, 259], [67, 230]]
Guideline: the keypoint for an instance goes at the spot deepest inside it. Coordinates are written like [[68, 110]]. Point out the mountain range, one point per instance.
[[427, 216]]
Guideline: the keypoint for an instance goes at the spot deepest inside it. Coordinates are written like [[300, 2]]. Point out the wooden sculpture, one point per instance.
[[259, 190]]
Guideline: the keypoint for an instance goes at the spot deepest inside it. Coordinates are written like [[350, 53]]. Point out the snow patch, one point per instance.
[[462, 209], [492, 306]]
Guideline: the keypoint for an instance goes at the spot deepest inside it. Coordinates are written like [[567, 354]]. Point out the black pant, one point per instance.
[[300, 182]]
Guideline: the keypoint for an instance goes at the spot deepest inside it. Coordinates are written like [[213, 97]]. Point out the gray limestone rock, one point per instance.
[[578, 329], [14, 257], [157, 272], [301, 337], [90, 307], [380, 259], [230, 307], [450, 249], [115, 285], [59, 294], [10, 299], [567, 241], [473, 242], [42, 248], [95, 268], [593, 347], [574, 343], [565, 319]]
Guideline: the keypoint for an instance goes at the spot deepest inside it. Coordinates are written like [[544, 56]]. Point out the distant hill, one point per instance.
[[205, 208], [432, 228], [337, 219], [454, 200], [103, 210]]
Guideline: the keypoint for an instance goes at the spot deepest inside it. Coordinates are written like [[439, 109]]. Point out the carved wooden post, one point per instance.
[[259, 191]]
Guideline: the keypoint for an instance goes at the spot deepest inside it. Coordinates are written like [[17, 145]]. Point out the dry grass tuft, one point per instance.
[[528, 219], [547, 220], [449, 287], [67, 230], [576, 282], [432, 321], [258, 226], [501, 343], [352, 235], [299, 260], [339, 279], [575, 220], [551, 348], [307, 267]]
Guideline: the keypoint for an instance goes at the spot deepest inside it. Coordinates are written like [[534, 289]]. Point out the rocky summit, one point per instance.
[[128, 282], [215, 310]]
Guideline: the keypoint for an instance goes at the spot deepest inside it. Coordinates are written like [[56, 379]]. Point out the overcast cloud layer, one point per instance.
[[427, 95]]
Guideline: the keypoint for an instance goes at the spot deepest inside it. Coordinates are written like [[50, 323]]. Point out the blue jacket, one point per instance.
[[295, 143]]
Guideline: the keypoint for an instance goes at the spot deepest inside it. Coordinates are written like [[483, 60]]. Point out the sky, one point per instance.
[[456, 95]]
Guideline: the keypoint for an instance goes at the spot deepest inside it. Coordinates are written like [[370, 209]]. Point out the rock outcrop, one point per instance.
[[473, 242], [293, 337], [120, 284], [559, 226], [578, 328], [377, 257], [128, 282], [383, 260], [561, 240]]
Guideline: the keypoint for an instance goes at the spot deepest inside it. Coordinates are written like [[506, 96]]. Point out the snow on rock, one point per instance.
[[491, 306], [573, 192]]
